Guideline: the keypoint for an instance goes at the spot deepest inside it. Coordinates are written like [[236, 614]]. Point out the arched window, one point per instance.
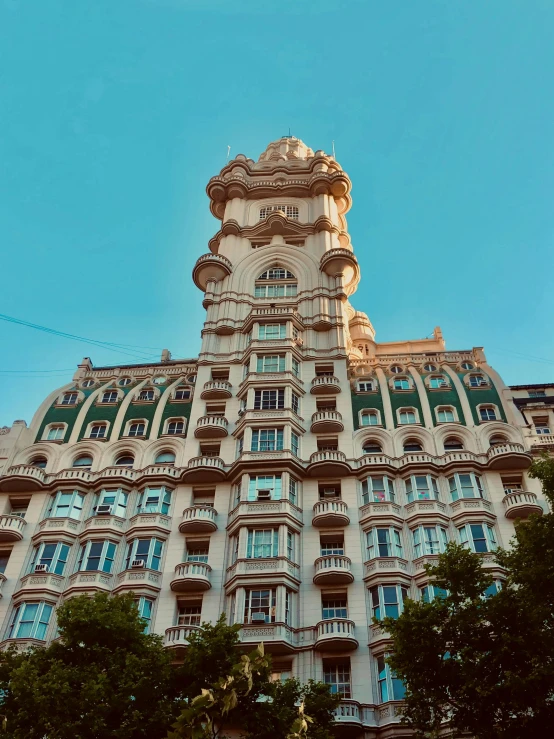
[[124, 381], [369, 418], [452, 444], [125, 460], [84, 461], [291, 211], [497, 439], [372, 447], [412, 445], [430, 367], [166, 457], [40, 462], [276, 282]]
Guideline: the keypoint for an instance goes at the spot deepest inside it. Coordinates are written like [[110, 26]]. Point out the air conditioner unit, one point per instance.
[[264, 494], [103, 510], [258, 617], [330, 492], [41, 568], [299, 341], [136, 563]]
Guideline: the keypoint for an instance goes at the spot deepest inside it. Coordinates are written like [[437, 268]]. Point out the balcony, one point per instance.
[[22, 477], [278, 638], [521, 505], [210, 267], [540, 442], [245, 572], [177, 637], [334, 569], [40, 584], [205, 469], [155, 473], [330, 513], [263, 512], [191, 577], [87, 581], [325, 385], [381, 513], [11, 527], [330, 463], [149, 524], [198, 519], [508, 456], [426, 511], [115, 473], [341, 261], [211, 427], [335, 635], [51, 528], [140, 580], [465, 509], [349, 716], [380, 568], [216, 390], [277, 461], [96, 525], [3, 579], [326, 421]]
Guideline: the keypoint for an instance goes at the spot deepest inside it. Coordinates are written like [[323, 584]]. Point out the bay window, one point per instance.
[[259, 606], [269, 400], [430, 592], [421, 487], [30, 621], [154, 500], [377, 490], [390, 687], [429, 540], [383, 542], [66, 505], [262, 543], [294, 443], [387, 600], [267, 440], [115, 500], [479, 537], [270, 363], [145, 607], [147, 550], [467, 485], [52, 554], [293, 490], [96, 556], [265, 483], [272, 331]]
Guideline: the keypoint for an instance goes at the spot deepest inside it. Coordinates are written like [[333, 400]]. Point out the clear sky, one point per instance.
[[115, 113]]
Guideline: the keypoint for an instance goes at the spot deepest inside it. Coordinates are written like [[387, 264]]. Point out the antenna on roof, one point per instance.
[[228, 151], [333, 148]]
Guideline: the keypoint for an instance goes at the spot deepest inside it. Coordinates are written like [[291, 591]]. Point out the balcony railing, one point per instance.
[[178, 636], [333, 569], [330, 513], [191, 576], [198, 518], [521, 505], [11, 527], [325, 384]]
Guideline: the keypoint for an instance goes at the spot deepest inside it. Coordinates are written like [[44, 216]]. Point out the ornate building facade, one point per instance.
[[297, 475]]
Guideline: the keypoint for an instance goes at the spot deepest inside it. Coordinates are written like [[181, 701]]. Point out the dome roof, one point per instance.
[[286, 148]]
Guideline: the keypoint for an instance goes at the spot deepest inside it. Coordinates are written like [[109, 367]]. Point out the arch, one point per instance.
[[497, 439], [88, 446], [418, 433], [127, 445], [83, 461], [175, 445], [277, 272], [50, 452], [302, 264], [446, 430], [453, 443], [412, 444], [372, 433]]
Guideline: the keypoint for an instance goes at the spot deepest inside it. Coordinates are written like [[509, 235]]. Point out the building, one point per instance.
[[297, 475]]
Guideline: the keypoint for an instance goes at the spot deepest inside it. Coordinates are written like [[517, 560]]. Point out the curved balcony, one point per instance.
[[326, 421], [111, 525], [330, 513], [204, 469], [333, 569], [216, 390], [325, 385], [521, 505], [210, 267], [348, 716], [84, 581], [466, 509], [191, 576], [177, 637], [198, 519], [211, 427], [375, 570], [426, 511], [142, 581], [39, 584], [335, 635], [51, 528], [328, 464], [149, 524], [22, 477], [11, 528], [381, 513], [508, 456], [340, 262]]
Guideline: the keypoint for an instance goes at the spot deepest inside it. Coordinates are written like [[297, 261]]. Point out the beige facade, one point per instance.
[[295, 476]]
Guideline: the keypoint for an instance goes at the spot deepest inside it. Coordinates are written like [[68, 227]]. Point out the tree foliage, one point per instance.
[[486, 664]]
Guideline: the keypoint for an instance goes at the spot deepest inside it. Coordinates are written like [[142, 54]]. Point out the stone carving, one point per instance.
[[261, 565]]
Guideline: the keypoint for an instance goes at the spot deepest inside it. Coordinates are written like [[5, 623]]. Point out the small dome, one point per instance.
[[287, 148]]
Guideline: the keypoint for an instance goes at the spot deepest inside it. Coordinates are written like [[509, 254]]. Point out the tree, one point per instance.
[[104, 678], [484, 662], [223, 690]]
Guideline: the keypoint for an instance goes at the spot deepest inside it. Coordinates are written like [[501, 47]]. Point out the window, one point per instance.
[[337, 676], [537, 393], [98, 431], [395, 369], [387, 600], [262, 543], [487, 413], [269, 400], [145, 607], [369, 418], [112, 502], [401, 383], [288, 609], [452, 444], [333, 608], [51, 554], [66, 505], [160, 380], [148, 551], [332, 548], [466, 485], [446, 415], [438, 382], [84, 461], [390, 687], [290, 546], [182, 393], [283, 290], [365, 386], [541, 426], [372, 447], [175, 427], [479, 537], [165, 458], [259, 606], [493, 589], [430, 592], [146, 395], [497, 439], [96, 556], [55, 433], [154, 500], [4, 559], [295, 367], [137, 428], [407, 416], [412, 445], [198, 554], [377, 490], [110, 396], [421, 487], [295, 403], [272, 331], [189, 615], [429, 540], [383, 542], [293, 490], [291, 211], [267, 440], [30, 621], [124, 381], [467, 365], [264, 486], [477, 381], [429, 368], [240, 446], [69, 398], [125, 460], [88, 383], [39, 462], [270, 363], [294, 443]]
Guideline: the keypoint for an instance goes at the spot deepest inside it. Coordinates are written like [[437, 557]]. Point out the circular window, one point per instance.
[[126, 460], [467, 365], [39, 462], [124, 381], [88, 383], [161, 380], [430, 367], [191, 379], [83, 461], [165, 458], [396, 369]]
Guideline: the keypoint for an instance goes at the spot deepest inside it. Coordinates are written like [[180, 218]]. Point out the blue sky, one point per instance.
[[115, 113]]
